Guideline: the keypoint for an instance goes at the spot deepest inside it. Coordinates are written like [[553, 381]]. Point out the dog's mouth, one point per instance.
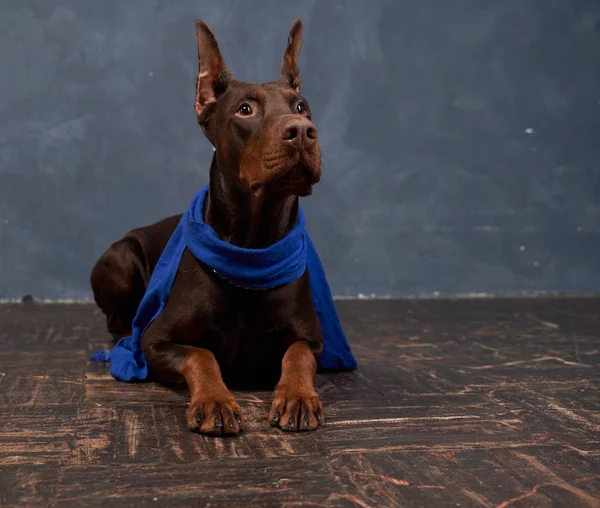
[[293, 175], [299, 179]]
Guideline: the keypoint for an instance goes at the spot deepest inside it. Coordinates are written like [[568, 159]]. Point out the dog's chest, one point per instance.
[[246, 331]]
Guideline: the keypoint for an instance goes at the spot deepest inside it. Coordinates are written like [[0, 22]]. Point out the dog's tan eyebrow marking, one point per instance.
[[256, 95]]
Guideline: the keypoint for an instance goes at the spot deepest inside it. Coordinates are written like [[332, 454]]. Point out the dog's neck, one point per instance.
[[244, 220]]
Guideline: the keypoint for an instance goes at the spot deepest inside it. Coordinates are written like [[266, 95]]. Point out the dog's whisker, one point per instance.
[[325, 161], [280, 155]]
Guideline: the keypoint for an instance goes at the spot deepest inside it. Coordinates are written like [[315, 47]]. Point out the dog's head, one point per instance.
[[264, 138]]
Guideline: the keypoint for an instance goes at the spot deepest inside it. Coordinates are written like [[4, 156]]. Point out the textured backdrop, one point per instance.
[[461, 138]]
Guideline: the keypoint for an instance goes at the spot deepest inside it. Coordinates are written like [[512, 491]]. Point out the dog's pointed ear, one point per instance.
[[290, 73], [213, 74]]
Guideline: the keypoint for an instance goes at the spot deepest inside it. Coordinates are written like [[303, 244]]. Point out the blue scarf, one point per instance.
[[281, 263]]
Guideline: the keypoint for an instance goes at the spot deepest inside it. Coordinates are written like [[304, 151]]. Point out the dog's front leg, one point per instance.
[[213, 409], [296, 405]]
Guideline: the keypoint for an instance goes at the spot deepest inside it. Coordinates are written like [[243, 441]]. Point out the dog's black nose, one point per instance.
[[299, 131]]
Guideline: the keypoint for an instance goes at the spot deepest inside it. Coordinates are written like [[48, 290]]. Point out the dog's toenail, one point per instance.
[[218, 422], [319, 417], [239, 419], [305, 423], [198, 418], [276, 416], [292, 423], [230, 423]]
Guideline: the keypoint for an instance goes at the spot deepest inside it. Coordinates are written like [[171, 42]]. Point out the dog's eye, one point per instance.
[[245, 110], [300, 107]]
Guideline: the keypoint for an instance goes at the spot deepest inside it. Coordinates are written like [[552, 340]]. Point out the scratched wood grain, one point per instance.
[[31, 435], [470, 403], [28, 485], [239, 481], [95, 441]]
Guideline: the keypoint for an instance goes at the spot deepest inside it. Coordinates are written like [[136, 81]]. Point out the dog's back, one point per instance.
[[120, 276]]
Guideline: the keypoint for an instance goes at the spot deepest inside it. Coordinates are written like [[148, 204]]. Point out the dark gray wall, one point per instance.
[[461, 138]]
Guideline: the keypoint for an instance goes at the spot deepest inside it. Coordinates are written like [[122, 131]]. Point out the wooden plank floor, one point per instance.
[[456, 403]]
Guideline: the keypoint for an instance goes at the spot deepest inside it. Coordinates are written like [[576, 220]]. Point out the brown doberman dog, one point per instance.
[[266, 156]]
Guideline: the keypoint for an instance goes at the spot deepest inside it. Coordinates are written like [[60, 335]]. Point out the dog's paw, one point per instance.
[[216, 416], [296, 409]]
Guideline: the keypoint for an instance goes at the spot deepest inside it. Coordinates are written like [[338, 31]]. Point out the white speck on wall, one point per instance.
[[436, 293], [536, 263], [529, 131], [150, 74], [522, 248], [579, 229], [361, 296]]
